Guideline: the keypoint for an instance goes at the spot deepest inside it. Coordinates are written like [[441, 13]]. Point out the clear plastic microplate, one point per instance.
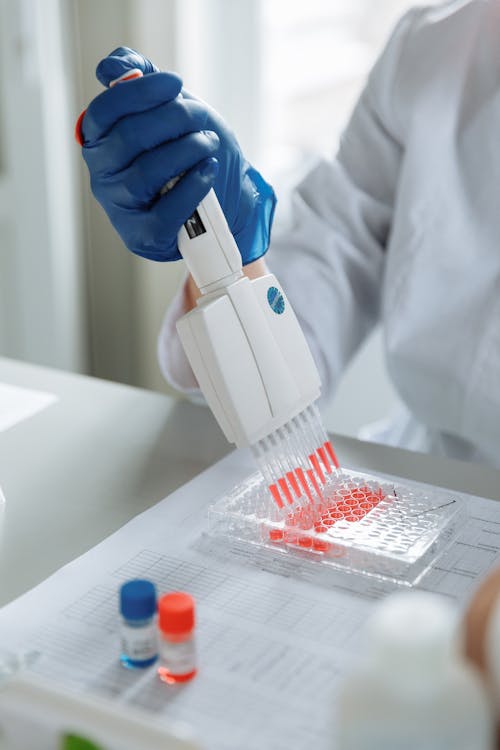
[[361, 525]]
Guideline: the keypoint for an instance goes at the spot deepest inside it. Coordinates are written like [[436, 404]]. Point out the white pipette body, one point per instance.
[[243, 340]]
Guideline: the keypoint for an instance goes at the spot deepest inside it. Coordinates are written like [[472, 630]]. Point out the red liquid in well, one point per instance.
[[276, 535]]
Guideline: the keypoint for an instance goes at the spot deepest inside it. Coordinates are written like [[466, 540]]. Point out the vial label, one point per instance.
[[178, 658], [140, 643]]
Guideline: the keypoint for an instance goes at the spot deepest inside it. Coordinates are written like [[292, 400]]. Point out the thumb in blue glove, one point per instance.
[[138, 136]]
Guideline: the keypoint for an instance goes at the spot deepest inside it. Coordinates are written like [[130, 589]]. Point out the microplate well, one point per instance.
[[361, 524]]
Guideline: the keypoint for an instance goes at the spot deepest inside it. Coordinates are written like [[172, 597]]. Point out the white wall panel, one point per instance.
[[39, 232]]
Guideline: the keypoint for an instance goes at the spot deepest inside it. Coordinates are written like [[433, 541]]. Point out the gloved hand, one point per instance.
[[140, 134]]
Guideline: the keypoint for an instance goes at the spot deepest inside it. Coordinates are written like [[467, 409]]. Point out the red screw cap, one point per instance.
[[176, 613]]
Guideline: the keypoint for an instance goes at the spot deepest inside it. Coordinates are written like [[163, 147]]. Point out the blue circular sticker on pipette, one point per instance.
[[276, 300]]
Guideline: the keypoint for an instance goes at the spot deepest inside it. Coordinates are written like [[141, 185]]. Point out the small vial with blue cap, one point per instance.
[[139, 640]]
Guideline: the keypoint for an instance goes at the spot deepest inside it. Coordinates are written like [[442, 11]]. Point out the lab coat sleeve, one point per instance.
[[173, 362], [330, 258]]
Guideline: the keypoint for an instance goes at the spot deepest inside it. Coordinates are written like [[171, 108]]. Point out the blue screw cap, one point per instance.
[[138, 600]]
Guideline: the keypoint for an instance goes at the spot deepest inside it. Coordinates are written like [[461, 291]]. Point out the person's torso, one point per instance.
[[441, 297]]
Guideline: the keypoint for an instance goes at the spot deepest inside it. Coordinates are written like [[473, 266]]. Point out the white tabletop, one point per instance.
[[104, 452]]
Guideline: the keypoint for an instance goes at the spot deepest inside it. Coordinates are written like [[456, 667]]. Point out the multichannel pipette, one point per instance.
[[251, 360]]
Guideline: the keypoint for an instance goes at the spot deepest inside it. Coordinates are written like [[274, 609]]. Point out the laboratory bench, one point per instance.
[[104, 452]]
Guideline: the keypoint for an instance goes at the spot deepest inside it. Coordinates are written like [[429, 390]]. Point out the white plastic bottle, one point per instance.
[[492, 654], [482, 636], [412, 689]]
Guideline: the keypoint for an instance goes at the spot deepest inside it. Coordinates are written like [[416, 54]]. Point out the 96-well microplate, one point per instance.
[[359, 524]]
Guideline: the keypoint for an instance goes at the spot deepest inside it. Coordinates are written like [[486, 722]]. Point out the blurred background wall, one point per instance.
[[284, 73]]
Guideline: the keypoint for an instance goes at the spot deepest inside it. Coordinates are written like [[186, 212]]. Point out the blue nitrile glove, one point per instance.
[[139, 134]]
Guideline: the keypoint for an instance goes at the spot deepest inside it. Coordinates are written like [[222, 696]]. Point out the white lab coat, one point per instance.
[[403, 227]]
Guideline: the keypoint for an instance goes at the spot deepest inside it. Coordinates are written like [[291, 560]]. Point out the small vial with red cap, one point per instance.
[[177, 648]]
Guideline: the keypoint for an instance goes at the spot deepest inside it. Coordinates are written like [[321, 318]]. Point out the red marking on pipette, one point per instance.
[[276, 496], [78, 128], [302, 479], [291, 478], [331, 453], [321, 453], [127, 76], [312, 479], [314, 460], [284, 488]]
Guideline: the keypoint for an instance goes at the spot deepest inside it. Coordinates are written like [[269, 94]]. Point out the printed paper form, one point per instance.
[[271, 649]]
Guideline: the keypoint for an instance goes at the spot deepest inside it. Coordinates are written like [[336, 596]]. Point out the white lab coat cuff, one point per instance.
[[173, 362]]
